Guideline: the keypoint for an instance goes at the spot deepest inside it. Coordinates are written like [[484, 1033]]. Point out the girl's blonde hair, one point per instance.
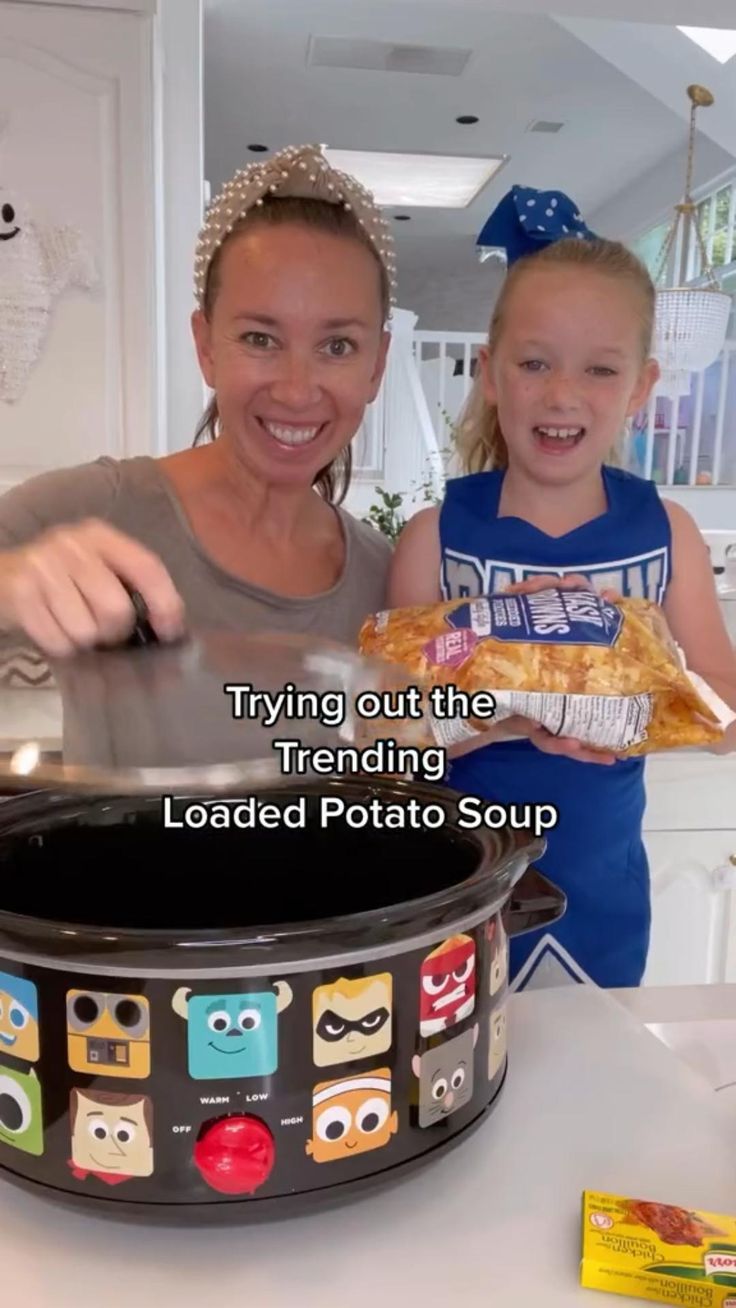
[[479, 440], [332, 481]]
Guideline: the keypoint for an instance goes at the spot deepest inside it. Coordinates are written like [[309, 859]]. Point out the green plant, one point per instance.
[[385, 514]]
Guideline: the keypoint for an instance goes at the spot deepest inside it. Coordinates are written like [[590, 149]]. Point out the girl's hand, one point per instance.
[[573, 581], [67, 590], [563, 745]]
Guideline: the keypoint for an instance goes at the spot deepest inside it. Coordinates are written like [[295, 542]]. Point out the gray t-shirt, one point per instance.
[[135, 496]]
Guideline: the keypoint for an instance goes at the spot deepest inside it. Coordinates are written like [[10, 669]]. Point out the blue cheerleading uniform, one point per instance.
[[595, 854]]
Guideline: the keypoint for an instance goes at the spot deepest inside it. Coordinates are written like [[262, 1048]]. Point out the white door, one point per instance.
[[693, 918], [100, 170]]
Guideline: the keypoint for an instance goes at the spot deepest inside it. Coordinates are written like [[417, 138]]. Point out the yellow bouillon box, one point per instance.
[[658, 1252]]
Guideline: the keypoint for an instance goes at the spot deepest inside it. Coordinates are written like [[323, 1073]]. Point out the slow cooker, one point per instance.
[[230, 1019]]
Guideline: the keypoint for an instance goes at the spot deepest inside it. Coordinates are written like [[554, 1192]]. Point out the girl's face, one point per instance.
[[295, 348], [567, 370]]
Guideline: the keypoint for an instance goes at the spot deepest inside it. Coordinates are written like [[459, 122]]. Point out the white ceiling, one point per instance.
[[259, 87]]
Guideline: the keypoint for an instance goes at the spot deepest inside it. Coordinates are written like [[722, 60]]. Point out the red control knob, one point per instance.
[[235, 1155]]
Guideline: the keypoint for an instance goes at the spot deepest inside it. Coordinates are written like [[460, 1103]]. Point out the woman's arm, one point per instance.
[[693, 613]]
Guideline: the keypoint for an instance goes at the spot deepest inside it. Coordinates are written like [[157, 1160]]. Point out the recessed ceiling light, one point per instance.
[[418, 180], [257, 149], [718, 42], [402, 217], [467, 119]]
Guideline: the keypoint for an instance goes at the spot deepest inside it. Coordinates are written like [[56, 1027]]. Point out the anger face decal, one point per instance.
[[352, 1019], [447, 981], [351, 1116]]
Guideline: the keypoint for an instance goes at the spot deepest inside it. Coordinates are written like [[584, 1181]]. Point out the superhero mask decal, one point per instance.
[[19, 1018], [445, 1077], [111, 1136], [108, 1034], [352, 1019], [232, 1035], [447, 980], [351, 1116]]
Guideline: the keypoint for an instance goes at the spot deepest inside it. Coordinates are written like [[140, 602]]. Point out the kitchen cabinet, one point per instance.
[[690, 836]]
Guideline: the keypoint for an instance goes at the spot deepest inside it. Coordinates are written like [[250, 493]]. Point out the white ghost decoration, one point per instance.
[[37, 264]]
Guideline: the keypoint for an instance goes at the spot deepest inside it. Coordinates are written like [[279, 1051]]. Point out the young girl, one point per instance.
[[568, 361]]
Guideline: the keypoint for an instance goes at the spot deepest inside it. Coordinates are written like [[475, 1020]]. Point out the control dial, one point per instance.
[[235, 1155]]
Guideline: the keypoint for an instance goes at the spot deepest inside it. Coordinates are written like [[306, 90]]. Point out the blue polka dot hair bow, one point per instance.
[[525, 219]]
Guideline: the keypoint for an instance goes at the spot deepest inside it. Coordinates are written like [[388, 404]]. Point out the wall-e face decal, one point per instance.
[[108, 1033], [352, 1019]]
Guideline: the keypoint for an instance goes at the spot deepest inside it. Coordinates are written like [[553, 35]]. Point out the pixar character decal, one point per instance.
[[447, 981], [497, 1042], [352, 1019], [445, 1077], [21, 1124], [498, 941], [232, 1035], [111, 1136], [351, 1116], [18, 1018], [108, 1034]]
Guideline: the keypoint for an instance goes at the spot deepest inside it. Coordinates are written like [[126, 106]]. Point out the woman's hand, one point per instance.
[[67, 590]]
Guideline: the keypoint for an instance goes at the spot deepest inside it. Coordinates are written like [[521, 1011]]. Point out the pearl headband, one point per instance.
[[297, 171]]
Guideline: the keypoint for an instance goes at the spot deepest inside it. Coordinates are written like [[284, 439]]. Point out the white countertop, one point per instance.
[[592, 1101]]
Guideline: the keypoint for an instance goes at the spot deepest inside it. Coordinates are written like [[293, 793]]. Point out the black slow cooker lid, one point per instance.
[[207, 715]]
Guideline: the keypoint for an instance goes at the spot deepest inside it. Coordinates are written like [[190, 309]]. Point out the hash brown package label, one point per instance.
[[607, 674], [658, 1252]]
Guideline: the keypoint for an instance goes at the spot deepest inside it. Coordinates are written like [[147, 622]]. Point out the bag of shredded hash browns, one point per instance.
[[607, 674]]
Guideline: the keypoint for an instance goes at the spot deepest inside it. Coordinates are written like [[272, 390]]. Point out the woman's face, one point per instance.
[[567, 370], [295, 348]]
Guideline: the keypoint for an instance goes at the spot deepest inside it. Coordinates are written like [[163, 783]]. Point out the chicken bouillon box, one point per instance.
[[658, 1252]]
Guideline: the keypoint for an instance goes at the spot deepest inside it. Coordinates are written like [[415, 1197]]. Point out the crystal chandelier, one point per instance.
[[691, 321]]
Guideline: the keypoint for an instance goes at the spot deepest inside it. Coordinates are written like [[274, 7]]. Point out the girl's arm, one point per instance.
[[414, 577], [693, 614]]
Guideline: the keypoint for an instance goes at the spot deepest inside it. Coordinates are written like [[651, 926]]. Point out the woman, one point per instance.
[[294, 279]]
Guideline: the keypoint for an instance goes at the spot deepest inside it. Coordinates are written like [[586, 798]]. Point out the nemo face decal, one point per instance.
[[447, 981], [352, 1019], [351, 1116]]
